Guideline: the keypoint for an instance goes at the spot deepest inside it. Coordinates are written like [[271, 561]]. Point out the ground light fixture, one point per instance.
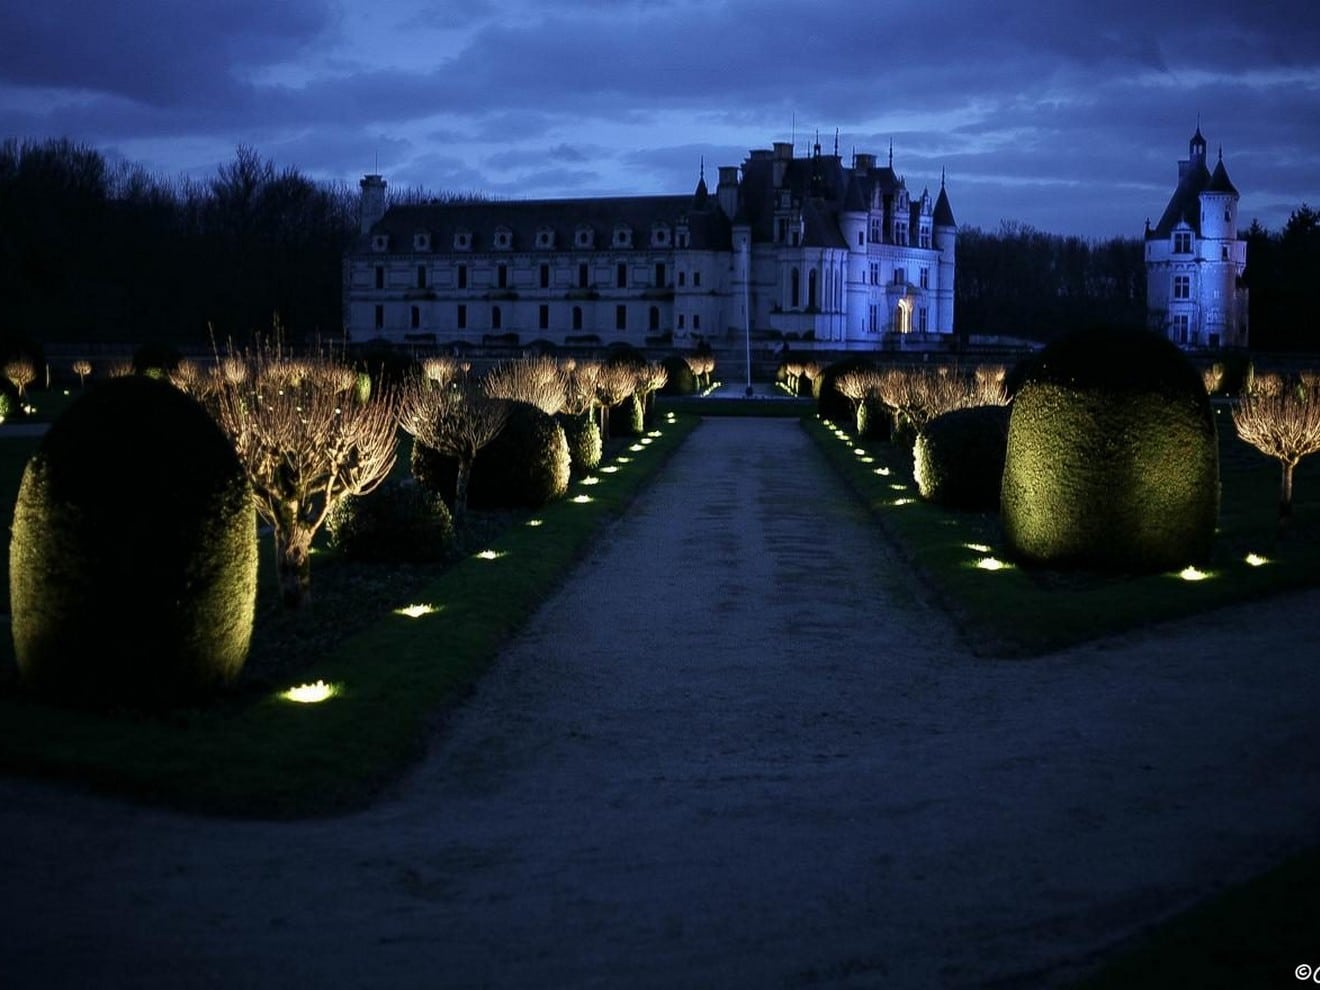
[[624, 460], [590, 479], [882, 471], [417, 611], [902, 501], [535, 522], [310, 694], [609, 470], [1255, 560], [1190, 573], [582, 499], [977, 547], [635, 448], [991, 564], [491, 554]]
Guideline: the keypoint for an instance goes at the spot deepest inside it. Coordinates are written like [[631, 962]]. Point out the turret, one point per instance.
[[726, 193], [946, 240], [372, 206], [1219, 201]]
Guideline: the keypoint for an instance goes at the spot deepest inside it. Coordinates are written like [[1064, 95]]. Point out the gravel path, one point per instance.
[[737, 749]]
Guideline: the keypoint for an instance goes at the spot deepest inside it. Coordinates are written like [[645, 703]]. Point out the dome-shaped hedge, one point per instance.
[[133, 562], [399, 521], [1112, 458], [958, 458], [525, 466], [585, 447], [681, 380]]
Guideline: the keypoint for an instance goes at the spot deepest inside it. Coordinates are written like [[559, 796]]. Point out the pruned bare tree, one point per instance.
[[82, 368], [1282, 423], [306, 442], [580, 380], [536, 380], [439, 369], [22, 373], [454, 419]]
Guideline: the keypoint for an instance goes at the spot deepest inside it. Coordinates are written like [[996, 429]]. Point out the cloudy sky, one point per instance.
[[1067, 116]]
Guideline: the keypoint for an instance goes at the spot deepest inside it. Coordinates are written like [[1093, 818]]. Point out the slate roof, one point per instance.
[[709, 229], [1219, 181], [1185, 204], [943, 212]]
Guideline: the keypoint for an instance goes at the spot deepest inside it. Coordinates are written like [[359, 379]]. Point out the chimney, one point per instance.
[[783, 155], [727, 191], [371, 208], [863, 163]]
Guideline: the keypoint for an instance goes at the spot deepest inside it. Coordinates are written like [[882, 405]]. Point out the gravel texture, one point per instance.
[[738, 748]]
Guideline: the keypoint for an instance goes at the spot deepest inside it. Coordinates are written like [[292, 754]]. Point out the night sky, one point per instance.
[[1066, 116]]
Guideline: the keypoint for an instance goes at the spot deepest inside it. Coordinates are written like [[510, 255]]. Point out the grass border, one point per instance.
[[266, 757]]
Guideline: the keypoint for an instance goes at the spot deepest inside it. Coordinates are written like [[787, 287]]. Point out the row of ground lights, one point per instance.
[[319, 691], [866, 458]]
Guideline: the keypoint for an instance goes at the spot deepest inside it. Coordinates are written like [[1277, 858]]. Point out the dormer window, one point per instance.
[[545, 237], [681, 239], [421, 241], [380, 242], [503, 238], [1182, 242], [584, 237], [622, 236], [462, 240], [660, 235]]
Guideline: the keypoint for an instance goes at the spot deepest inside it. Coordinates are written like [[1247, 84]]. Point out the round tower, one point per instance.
[[945, 231], [372, 205]]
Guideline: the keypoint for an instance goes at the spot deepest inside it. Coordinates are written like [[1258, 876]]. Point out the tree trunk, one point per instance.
[[461, 480], [294, 566], [1285, 492]]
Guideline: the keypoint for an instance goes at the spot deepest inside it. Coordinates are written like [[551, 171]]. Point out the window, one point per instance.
[[584, 237], [621, 276], [380, 276], [496, 318], [781, 230], [380, 242], [861, 239], [1182, 287], [794, 289], [875, 273], [660, 275], [925, 278], [543, 317], [900, 276], [696, 279], [682, 279], [462, 240], [811, 289], [421, 241], [577, 317], [414, 317], [900, 233], [1228, 215], [1182, 242], [924, 238], [583, 281], [502, 275], [461, 321], [696, 321], [681, 324], [545, 276], [462, 276], [503, 238], [622, 237], [921, 319], [421, 276], [1223, 253], [875, 231], [682, 239], [380, 317], [1182, 328], [653, 319], [620, 317]]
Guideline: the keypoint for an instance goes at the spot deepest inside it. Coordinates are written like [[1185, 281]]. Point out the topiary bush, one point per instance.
[[1112, 459], [958, 458], [681, 379], [830, 404], [399, 521], [628, 418], [875, 420], [525, 466], [133, 561], [585, 446]]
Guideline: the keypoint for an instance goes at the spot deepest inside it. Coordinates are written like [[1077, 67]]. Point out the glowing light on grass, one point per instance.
[[591, 480], [882, 471], [310, 694], [609, 470], [636, 447], [582, 499], [535, 522], [645, 441], [624, 460], [978, 547], [991, 564], [1193, 574], [491, 554], [902, 501], [896, 487], [1255, 560], [416, 611], [868, 460], [859, 451], [655, 433]]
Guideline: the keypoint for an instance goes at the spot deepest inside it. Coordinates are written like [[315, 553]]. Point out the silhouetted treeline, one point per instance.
[[1283, 276], [93, 252], [1022, 282]]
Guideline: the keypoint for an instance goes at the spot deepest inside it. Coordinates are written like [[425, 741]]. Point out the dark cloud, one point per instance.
[[1065, 114]]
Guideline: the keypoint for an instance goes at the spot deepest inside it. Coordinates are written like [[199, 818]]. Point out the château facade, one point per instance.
[[1195, 259], [808, 247]]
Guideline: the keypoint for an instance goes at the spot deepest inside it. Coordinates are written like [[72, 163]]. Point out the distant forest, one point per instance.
[[93, 251]]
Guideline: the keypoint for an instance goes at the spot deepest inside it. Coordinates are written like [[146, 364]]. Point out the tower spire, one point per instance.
[[891, 152]]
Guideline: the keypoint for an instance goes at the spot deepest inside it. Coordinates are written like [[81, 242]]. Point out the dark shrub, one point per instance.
[[386, 366], [585, 447], [155, 357], [133, 563], [527, 465], [830, 404], [681, 380], [399, 521], [1112, 458], [628, 418], [958, 458], [874, 419]]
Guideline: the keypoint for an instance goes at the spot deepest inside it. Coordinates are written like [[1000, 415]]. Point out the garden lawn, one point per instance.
[[254, 753], [1025, 611]]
